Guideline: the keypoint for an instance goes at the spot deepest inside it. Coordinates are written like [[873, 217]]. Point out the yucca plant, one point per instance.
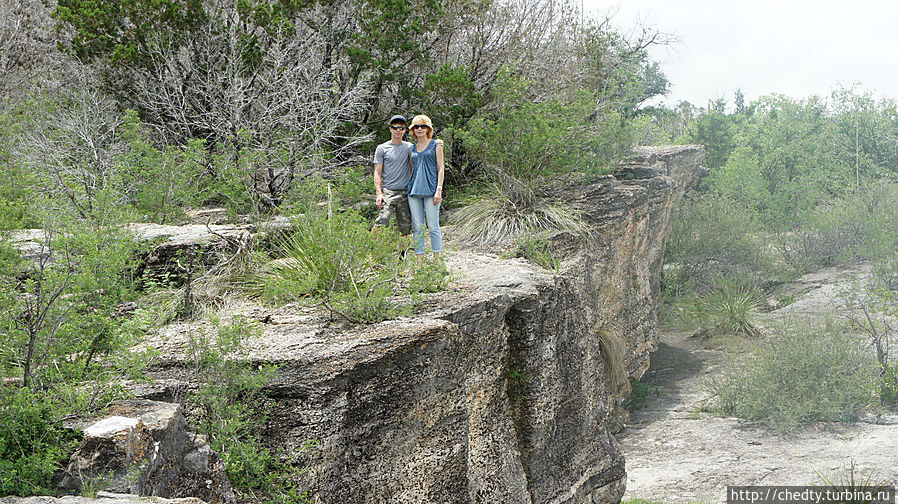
[[510, 208], [726, 310]]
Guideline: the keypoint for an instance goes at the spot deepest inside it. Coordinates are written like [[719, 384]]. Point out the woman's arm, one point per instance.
[[441, 168]]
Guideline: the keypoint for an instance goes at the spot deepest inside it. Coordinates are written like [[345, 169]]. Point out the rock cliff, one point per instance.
[[504, 390]]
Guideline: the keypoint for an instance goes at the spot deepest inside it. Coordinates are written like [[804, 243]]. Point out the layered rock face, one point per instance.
[[504, 390]]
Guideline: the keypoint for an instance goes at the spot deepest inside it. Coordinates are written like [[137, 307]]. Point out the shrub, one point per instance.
[[345, 188], [640, 393], [526, 138], [159, 183], [713, 236], [354, 272], [801, 374], [859, 225], [888, 385], [230, 417], [33, 444]]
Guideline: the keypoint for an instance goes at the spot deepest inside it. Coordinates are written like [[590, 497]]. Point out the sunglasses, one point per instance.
[[417, 126], [398, 128]]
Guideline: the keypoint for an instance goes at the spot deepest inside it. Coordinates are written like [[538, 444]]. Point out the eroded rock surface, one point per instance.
[[499, 392]]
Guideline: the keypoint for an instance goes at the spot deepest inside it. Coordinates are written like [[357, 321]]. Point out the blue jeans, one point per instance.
[[421, 207]]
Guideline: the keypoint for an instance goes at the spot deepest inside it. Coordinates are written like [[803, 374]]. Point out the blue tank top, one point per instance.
[[424, 170]]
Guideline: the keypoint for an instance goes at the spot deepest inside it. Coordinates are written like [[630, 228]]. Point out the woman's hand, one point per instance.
[[438, 196]]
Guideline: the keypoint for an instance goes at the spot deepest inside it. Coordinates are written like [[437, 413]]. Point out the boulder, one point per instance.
[[144, 447]]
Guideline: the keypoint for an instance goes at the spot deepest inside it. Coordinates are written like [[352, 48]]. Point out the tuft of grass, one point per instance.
[[357, 274], [614, 356], [512, 208], [852, 487], [799, 375], [727, 309]]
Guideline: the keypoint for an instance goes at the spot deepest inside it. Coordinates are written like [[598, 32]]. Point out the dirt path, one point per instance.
[[677, 454]]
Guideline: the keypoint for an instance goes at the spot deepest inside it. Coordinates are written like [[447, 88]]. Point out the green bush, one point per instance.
[[536, 248], [64, 342], [888, 385], [857, 226], [228, 401], [353, 271], [640, 393], [799, 375], [33, 443], [711, 237], [346, 188], [160, 183]]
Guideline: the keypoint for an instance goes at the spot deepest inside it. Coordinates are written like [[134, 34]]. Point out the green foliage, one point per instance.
[[617, 71], [16, 191], [725, 307], [428, 277], [390, 33], [859, 225], [228, 400], [798, 375], [33, 443], [160, 183], [715, 131], [537, 249], [783, 157], [888, 389], [712, 236], [60, 310], [353, 271], [64, 342], [348, 188], [98, 29], [528, 139], [640, 394]]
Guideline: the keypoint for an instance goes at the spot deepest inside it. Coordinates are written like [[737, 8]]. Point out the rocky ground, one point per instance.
[[675, 453]]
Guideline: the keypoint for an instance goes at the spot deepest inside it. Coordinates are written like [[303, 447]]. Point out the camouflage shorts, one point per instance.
[[395, 201]]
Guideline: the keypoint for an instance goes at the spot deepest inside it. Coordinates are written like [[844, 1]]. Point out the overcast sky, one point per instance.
[[796, 48]]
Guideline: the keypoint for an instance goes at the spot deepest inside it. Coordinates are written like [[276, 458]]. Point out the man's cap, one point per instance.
[[398, 118]]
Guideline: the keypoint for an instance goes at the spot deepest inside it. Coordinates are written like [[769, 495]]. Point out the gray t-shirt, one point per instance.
[[396, 172]]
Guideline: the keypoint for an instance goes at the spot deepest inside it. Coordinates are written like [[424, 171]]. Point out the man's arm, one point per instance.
[[378, 184]]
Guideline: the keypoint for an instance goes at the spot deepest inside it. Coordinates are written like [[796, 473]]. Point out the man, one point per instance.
[[392, 172]]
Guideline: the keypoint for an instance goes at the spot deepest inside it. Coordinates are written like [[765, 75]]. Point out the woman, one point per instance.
[[425, 189]]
